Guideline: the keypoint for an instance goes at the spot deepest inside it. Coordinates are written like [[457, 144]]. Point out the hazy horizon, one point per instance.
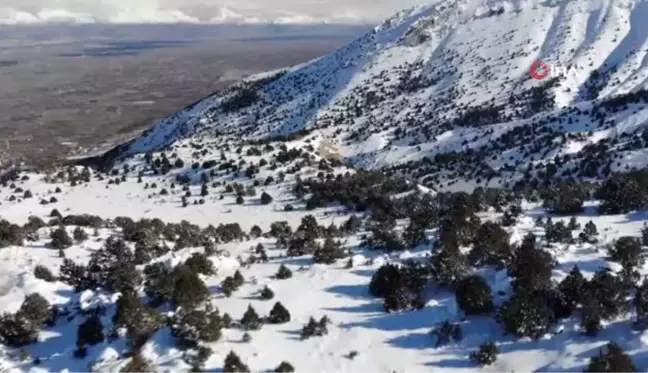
[[199, 11]]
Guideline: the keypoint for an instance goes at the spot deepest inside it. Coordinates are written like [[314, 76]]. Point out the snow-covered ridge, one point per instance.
[[454, 77]]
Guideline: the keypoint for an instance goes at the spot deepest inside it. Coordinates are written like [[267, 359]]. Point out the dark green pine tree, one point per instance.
[[251, 320], [233, 364], [284, 367], [641, 303], [573, 287], [611, 358], [279, 314], [474, 296], [283, 273], [267, 293]]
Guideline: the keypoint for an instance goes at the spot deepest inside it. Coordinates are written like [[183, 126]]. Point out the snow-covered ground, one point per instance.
[[399, 342]]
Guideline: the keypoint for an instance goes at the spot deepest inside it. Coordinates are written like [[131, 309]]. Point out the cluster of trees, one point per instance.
[[619, 193], [149, 234], [357, 191], [401, 287], [306, 238], [13, 234]]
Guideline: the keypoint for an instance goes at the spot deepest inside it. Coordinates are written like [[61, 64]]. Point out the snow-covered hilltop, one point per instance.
[[239, 234], [452, 82]]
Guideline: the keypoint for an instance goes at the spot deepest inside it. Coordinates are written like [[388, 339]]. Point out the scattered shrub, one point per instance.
[[486, 354]]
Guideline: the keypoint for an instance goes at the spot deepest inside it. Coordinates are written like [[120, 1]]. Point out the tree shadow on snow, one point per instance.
[[56, 351], [589, 266], [365, 308], [408, 320], [351, 291]]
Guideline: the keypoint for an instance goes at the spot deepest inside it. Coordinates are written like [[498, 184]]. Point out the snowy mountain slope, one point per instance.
[[200, 217], [398, 341], [453, 80]]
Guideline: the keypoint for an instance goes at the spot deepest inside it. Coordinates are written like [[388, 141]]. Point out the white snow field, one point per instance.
[[438, 94]]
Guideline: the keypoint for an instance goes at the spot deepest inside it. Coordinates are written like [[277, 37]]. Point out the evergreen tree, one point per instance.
[[228, 286], [641, 303], [233, 364], [284, 367], [256, 231], [589, 233], [329, 252], [251, 320], [60, 238], [159, 283], [474, 296], [75, 275], [565, 198], [300, 245], [397, 299], [385, 237], [611, 359], [620, 194], [558, 232], [239, 280], [139, 320], [267, 293], [113, 266], [526, 315], [414, 234], [385, 279], [447, 332], [189, 290], [90, 332], [573, 287], [352, 225], [279, 314], [531, 267], [16, 330], [199, 263], [43, 273], [591, 316], [486, 354], [491, 246], [608, 293], [266, 199], [314, 329], [573, 224], [283, 273], [79, 234], [197, 325], [35, 308], [448, 266], [309, 228], [627, 251], [644, 234]]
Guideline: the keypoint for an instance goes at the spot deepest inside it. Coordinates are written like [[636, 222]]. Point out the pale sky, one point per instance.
[[349, 11]]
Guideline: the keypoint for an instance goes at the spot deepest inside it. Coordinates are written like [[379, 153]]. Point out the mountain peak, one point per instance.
[[453, 77]]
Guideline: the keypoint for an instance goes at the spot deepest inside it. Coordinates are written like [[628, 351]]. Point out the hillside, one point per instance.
[[308, 219], [450, 82]]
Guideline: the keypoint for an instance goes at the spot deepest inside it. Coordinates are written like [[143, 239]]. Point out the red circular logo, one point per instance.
[[539, 70]]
